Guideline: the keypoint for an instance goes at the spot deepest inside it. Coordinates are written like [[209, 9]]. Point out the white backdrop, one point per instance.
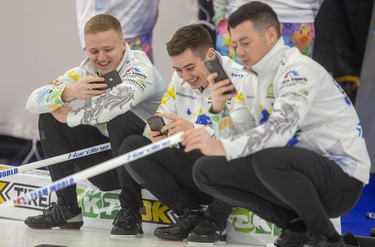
[[39, 41]]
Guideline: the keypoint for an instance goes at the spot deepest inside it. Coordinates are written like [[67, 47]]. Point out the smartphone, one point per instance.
[[156, 123], [215, 66], [111, 79]]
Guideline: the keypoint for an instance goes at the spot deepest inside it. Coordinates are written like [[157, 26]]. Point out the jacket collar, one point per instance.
[[271, 60]]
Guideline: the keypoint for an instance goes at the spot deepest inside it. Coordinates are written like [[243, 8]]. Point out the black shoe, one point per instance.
[[55, 215], [128, 222], [181, 229], [207, 232], [322, 242], [350, 240], [289, 238]]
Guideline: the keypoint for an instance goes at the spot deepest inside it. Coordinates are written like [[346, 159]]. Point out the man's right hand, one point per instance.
[[84, 88], [217, 90]]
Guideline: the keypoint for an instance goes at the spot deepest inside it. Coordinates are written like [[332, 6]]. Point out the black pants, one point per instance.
[[167, 174], [282, 184], [58, 138], [341, 30]]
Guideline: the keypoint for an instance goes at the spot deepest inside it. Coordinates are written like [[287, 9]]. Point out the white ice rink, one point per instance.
[[14, 233]]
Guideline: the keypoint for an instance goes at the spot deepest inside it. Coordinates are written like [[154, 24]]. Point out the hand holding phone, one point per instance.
[[111, 79], [156, 123], [215, 66]]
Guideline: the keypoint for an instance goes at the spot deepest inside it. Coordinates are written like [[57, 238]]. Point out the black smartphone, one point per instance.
[[215, 66], [156, 123], [111, 79]]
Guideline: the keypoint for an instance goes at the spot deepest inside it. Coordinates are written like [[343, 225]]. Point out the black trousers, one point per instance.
[[341, 29], [167, 174], [282, 184], [58, 138]]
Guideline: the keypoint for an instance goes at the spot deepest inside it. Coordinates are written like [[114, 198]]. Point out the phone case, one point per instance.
[[215, 66], [112, 78], [156, 123]]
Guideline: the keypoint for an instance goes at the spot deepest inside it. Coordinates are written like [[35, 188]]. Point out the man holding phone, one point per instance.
[[119, 89], [304, 159], [111, 79], [167, 174]]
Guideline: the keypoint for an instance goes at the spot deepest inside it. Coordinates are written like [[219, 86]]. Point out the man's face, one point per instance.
[[251, 46], [191, 69], [105, 50]]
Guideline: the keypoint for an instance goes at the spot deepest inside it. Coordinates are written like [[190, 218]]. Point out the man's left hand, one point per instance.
[[200, 138]]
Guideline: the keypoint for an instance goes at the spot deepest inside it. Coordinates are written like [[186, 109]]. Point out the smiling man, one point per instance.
[[105, 115], [167, 174]]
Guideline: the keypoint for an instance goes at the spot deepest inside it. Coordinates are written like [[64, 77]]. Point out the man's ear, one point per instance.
[[123, 45], [211, 54], [271, 36]]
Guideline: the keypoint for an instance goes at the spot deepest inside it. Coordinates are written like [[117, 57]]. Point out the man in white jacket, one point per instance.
[[167, 174], [105, 115], [303, 159]]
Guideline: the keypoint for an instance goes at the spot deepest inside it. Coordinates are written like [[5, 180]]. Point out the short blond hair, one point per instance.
[[101, 23]]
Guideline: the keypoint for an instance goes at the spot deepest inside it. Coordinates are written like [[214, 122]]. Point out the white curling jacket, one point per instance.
[[140, 92], [295, 102], [193, 104]]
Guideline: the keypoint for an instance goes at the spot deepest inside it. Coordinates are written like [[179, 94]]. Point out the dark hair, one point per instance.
[[260, 14], [193, 37], [102, 22]]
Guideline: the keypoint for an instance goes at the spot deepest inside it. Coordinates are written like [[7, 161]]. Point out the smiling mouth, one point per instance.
[[192, 81], [104, 64]]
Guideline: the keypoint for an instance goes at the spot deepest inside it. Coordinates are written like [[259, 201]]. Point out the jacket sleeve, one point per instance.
[[48, 98], [290, 108], [235, 121], [168, 101], [168, 104], [138, 84]]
